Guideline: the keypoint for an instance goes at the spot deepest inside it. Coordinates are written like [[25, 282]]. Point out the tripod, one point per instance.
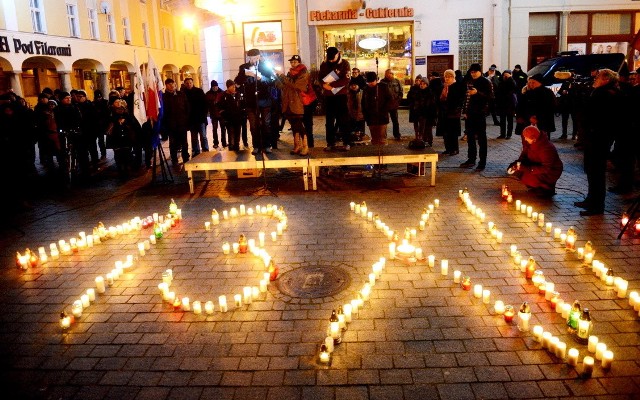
[[158, 154], [633, 208], [265, 190], [377, 175]]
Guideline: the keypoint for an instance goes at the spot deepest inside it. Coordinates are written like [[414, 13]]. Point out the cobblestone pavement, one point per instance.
[[419, 336]]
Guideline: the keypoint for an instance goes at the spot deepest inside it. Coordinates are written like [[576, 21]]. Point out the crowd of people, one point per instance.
[[72, 134]]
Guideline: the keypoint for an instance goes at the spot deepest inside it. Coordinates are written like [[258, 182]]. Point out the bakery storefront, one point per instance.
[[371, 39]]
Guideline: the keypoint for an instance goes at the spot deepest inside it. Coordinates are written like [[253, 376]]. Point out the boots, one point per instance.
[[304, 150], [297, 145]]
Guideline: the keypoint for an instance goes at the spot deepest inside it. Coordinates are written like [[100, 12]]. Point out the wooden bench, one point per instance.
[[226, 160], [374, 155], [358, 155]]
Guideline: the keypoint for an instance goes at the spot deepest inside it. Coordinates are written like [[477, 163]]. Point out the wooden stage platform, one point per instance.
[[393, 153]]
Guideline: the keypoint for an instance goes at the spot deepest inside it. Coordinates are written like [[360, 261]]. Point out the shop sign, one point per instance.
[[367, 14], [439, 46], [36, 47]]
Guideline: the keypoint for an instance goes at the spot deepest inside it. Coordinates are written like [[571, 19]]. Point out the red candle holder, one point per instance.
[[466, 283], [508, 313]]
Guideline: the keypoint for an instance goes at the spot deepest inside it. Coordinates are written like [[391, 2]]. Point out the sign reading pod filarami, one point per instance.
[[35, 47], [328, 12]]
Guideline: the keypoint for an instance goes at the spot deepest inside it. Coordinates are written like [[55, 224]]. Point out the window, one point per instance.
[[470, 33], [72, 18], [111, 28], [611, 24], [578, 24], [167, 38], [145, 33], [543, 24], [126, 33], [37, 16], [93, 23]]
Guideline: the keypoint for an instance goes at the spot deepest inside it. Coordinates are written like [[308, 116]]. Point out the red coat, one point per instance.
[[541, 165]]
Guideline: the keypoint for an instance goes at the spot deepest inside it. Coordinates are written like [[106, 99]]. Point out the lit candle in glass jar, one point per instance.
[[100, 287], [587, 366], [508, 313], [548, 227], [499, 307], [226, 248], [222, 303], [456, 276], [537, 333], [486, 296], [237, 299], [444, 267], [592, 343], [600, 349], [247, 294], [529, 211], [607, 359], [208, 307], [572, 357], [432, 260], [477, 291], [197, 307]]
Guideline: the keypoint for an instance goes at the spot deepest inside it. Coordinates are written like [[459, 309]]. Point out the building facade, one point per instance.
[[90, 44], [414, 37]]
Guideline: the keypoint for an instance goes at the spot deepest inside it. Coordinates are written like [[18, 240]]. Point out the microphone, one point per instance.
[[376, 61]]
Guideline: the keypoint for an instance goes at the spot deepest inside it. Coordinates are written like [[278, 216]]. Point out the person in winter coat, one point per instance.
[[334, 74], [197, 117], [175, 121], [603, 106], [213, 97], [397, 90], [475, 110], [425, 112], [354, 104], [411, 99], [231, 114], [506, 103], [256, 81], [122, 134], [449, 104], [293, 85], [377, 99], [536, 106], [539, 167]]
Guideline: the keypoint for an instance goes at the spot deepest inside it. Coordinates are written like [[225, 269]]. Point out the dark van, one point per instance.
[[578, 64]]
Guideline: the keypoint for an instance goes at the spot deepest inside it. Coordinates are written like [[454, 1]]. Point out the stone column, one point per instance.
[[65, 81], [15, 82], [103, 83], [564, 20]]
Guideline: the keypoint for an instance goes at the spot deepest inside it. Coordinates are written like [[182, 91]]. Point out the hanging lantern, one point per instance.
[[585, 326], [573, 317]]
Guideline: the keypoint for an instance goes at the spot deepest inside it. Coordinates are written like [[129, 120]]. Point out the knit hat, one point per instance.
[[531, 132], [331, 53], [475, 67], [214, 83], [253, 52], [537, 77], [507, 71]]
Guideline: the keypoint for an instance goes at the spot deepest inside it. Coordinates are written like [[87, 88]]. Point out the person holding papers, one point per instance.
[[257, 80], [335, 74]]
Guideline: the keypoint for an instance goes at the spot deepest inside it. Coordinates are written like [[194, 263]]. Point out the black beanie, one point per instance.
[[331, 53]]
